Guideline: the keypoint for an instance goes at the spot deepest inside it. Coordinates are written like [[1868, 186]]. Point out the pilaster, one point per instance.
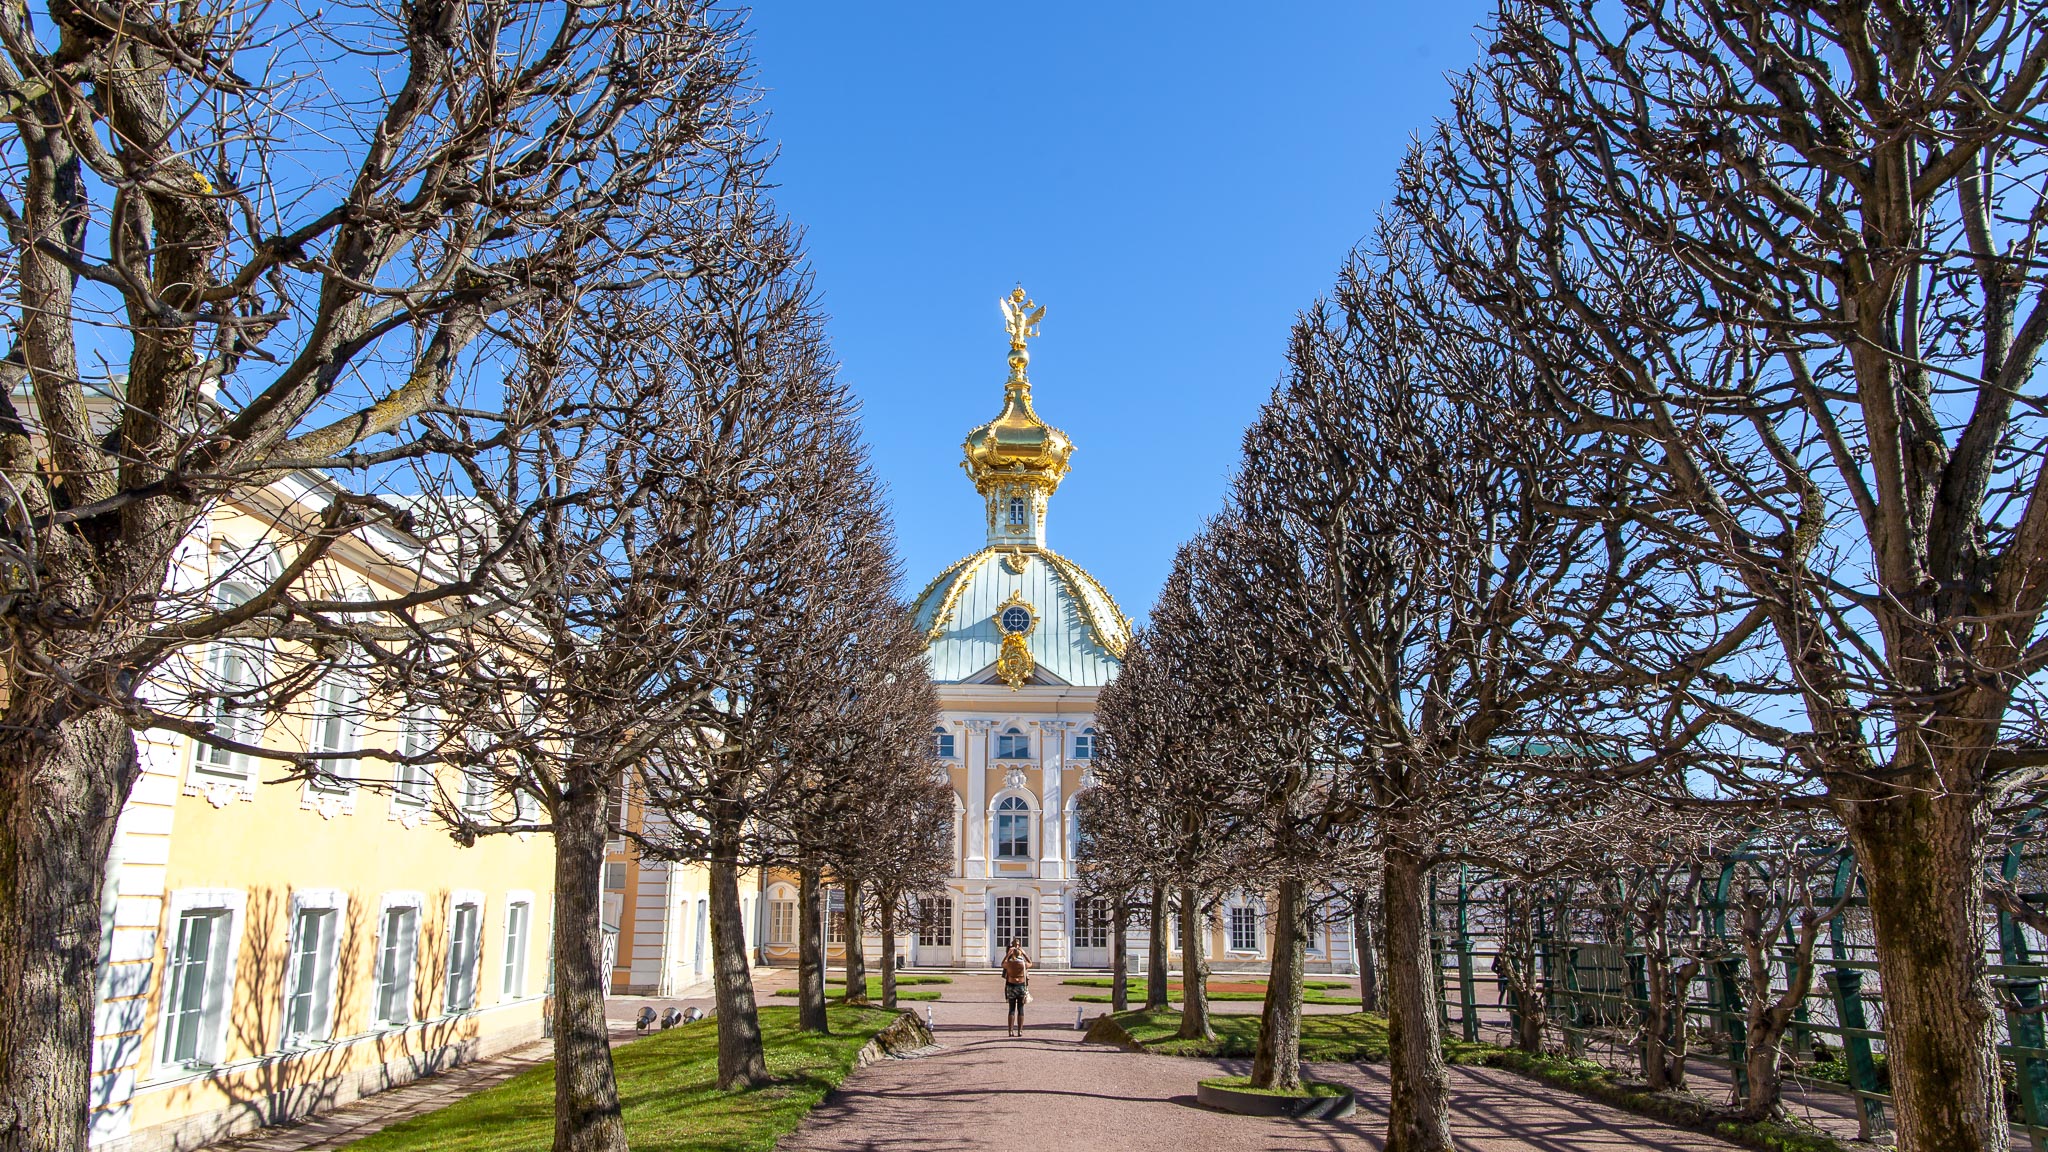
[[977, 758]]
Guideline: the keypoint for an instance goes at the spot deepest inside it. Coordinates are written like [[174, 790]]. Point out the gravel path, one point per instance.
[[1048, 1091]]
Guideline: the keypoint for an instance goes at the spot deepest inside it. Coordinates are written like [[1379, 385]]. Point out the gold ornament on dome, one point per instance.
[[1016, 620], [1017, 447]]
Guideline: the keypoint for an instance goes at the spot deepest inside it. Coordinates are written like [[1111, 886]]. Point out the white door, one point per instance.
[[931, 941], [1012, 922], [1091, 932]]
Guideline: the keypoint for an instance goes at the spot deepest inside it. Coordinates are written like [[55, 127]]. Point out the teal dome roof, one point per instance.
[[1077, 633]]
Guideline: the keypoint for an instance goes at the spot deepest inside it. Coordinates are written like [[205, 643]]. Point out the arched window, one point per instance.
[[1084, 745], [942, 743], [1012, 744], [1017, 511], [1013, 829]]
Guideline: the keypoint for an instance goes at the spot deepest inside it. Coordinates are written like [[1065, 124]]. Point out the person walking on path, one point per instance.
[[1016, 984]]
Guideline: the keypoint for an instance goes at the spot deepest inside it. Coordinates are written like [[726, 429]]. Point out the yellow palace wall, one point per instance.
[[188, 840]]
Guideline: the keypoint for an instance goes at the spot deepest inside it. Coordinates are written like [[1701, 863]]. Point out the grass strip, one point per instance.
[[905, 989], [1313, 992], [1356, 1036], [1309, 1088], [667, 1092], [1680, 1109]]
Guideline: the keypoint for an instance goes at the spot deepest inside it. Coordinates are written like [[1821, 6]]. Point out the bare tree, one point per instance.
[[248, 240], [1156, 709], [1787, 252]]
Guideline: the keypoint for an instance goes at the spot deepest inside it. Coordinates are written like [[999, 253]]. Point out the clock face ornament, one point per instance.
[[1016, 620]]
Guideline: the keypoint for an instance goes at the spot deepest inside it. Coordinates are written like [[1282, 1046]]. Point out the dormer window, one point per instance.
[[1084, 745], [1012, 744], [1017, 511], [942, 743]]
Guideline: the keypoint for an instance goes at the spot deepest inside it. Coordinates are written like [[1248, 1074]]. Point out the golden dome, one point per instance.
[[1016, 445]]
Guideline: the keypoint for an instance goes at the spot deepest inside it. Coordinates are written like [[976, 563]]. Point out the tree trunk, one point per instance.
[[856, 947], [810, 953], [1120, 958], [1418, 1110], [887, 910], [1921, 863], [742, 1061], [1277, 1064], [61, 788], [1155, 952], [1365, 946], [1194, 973], [586, 1093]]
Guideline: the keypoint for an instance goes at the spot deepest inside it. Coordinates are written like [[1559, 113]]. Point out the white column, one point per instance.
[[1052, 836], [977, 797]]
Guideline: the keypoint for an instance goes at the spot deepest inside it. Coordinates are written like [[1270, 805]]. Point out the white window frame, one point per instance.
[[479, 791], [944, 746], [1001, 811], [999, 941], [470, 972], [935, 930], [1250, 912], [1091, 931], [336, 726], [1084, 744], [418, 735], [782, 918], [512, 966], [332, 903], [1013, 743], [415, 903], [243, 723], [218, 998]]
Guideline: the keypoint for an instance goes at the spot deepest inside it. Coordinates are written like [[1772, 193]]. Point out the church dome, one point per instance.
[[1016, 611], [1070, 627]]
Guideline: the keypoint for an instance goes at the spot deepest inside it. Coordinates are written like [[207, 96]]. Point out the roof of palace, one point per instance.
[[1079, 635]]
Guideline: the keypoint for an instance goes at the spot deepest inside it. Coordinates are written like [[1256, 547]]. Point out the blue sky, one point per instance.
[[1173, 182]]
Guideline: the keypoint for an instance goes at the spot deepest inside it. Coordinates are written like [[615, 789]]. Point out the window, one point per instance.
[[1013, 922], [517, 916], [235, 671], [781, 922], [935, 921], [397, 944], [616, 813], [1018, 512], [417, 743], [336, 729], [835, 916], [1244, 928], [1091, 922], [199, 987], [615, 876], [309, 996], [1013, 829], [1012, 744], [477, 791], [464, 936], [942, 743], [1084, 745]]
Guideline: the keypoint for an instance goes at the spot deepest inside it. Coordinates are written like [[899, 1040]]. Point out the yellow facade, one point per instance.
[[275, 949]]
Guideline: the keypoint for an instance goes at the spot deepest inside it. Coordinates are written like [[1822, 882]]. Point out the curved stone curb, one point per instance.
[[1265, 1104], [905, 1038]]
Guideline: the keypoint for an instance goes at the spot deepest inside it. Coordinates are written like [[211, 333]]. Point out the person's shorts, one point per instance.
[[1014, 993]]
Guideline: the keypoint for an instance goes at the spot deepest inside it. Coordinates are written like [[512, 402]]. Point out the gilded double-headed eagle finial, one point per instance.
[[1021, 317]]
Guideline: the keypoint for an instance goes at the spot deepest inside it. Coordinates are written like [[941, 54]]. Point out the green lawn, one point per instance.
[[1244, 1084], [667, 1086], [1343, 1038], [1313, 992], [905, 988]]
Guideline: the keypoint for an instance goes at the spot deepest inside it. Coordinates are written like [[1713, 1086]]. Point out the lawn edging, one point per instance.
[[1678, 1109], [906, 1035]]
